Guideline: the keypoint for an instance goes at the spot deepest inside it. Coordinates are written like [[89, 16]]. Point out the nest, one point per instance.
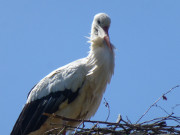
[[124, 127]]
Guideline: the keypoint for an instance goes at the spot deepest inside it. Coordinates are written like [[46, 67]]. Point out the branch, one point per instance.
[[161, 97]]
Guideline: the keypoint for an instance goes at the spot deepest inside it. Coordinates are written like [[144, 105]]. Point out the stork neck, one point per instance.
[[101, 61]]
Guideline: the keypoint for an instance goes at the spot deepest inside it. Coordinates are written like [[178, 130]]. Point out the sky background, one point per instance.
[[37, 37]]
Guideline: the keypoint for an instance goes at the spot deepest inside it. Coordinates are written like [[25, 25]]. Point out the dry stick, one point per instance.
[[92, 128], [76, 120], [162, 109], [62, 131], [118, 121], [156, 120], [107, 105], [49, 131], [163, 96], [90, 121], [78, 127], [175, 107]]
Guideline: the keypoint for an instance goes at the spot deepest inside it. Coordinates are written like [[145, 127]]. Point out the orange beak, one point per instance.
[[106, 38]]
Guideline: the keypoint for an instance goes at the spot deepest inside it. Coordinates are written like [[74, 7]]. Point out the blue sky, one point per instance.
[[37, 37]]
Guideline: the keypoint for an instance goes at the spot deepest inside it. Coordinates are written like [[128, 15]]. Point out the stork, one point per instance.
[[74, 90]]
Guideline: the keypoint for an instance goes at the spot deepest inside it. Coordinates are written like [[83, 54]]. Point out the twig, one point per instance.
[[163, 96], [118, 121], [75, 120], [175, 107], [62, 131], [93, 127], [156, 119], [49, 131], [162, 109], [107, 105], [128, 120], [82, 122]]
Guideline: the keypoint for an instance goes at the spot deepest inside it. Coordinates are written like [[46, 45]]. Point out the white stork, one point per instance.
[[74, 90]]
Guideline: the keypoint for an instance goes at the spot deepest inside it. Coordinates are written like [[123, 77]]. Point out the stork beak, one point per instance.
[[106, 38]]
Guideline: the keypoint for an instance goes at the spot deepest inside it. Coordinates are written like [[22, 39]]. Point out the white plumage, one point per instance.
[[74, 90]]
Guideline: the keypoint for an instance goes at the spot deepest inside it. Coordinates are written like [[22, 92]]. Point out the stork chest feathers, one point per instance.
[[100, 63]]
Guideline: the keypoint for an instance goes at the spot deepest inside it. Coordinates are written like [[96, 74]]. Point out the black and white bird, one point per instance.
[[74, 90]]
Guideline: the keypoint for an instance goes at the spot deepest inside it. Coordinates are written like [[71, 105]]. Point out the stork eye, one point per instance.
[[98, 22]]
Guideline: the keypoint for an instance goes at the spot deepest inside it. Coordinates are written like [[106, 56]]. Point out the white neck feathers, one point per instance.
[[101, 61]]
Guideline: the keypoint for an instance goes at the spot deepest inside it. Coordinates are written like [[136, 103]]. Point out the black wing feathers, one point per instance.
[[31, 117]]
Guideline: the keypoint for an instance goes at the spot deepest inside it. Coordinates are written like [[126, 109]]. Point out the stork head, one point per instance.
[[99, 30]]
